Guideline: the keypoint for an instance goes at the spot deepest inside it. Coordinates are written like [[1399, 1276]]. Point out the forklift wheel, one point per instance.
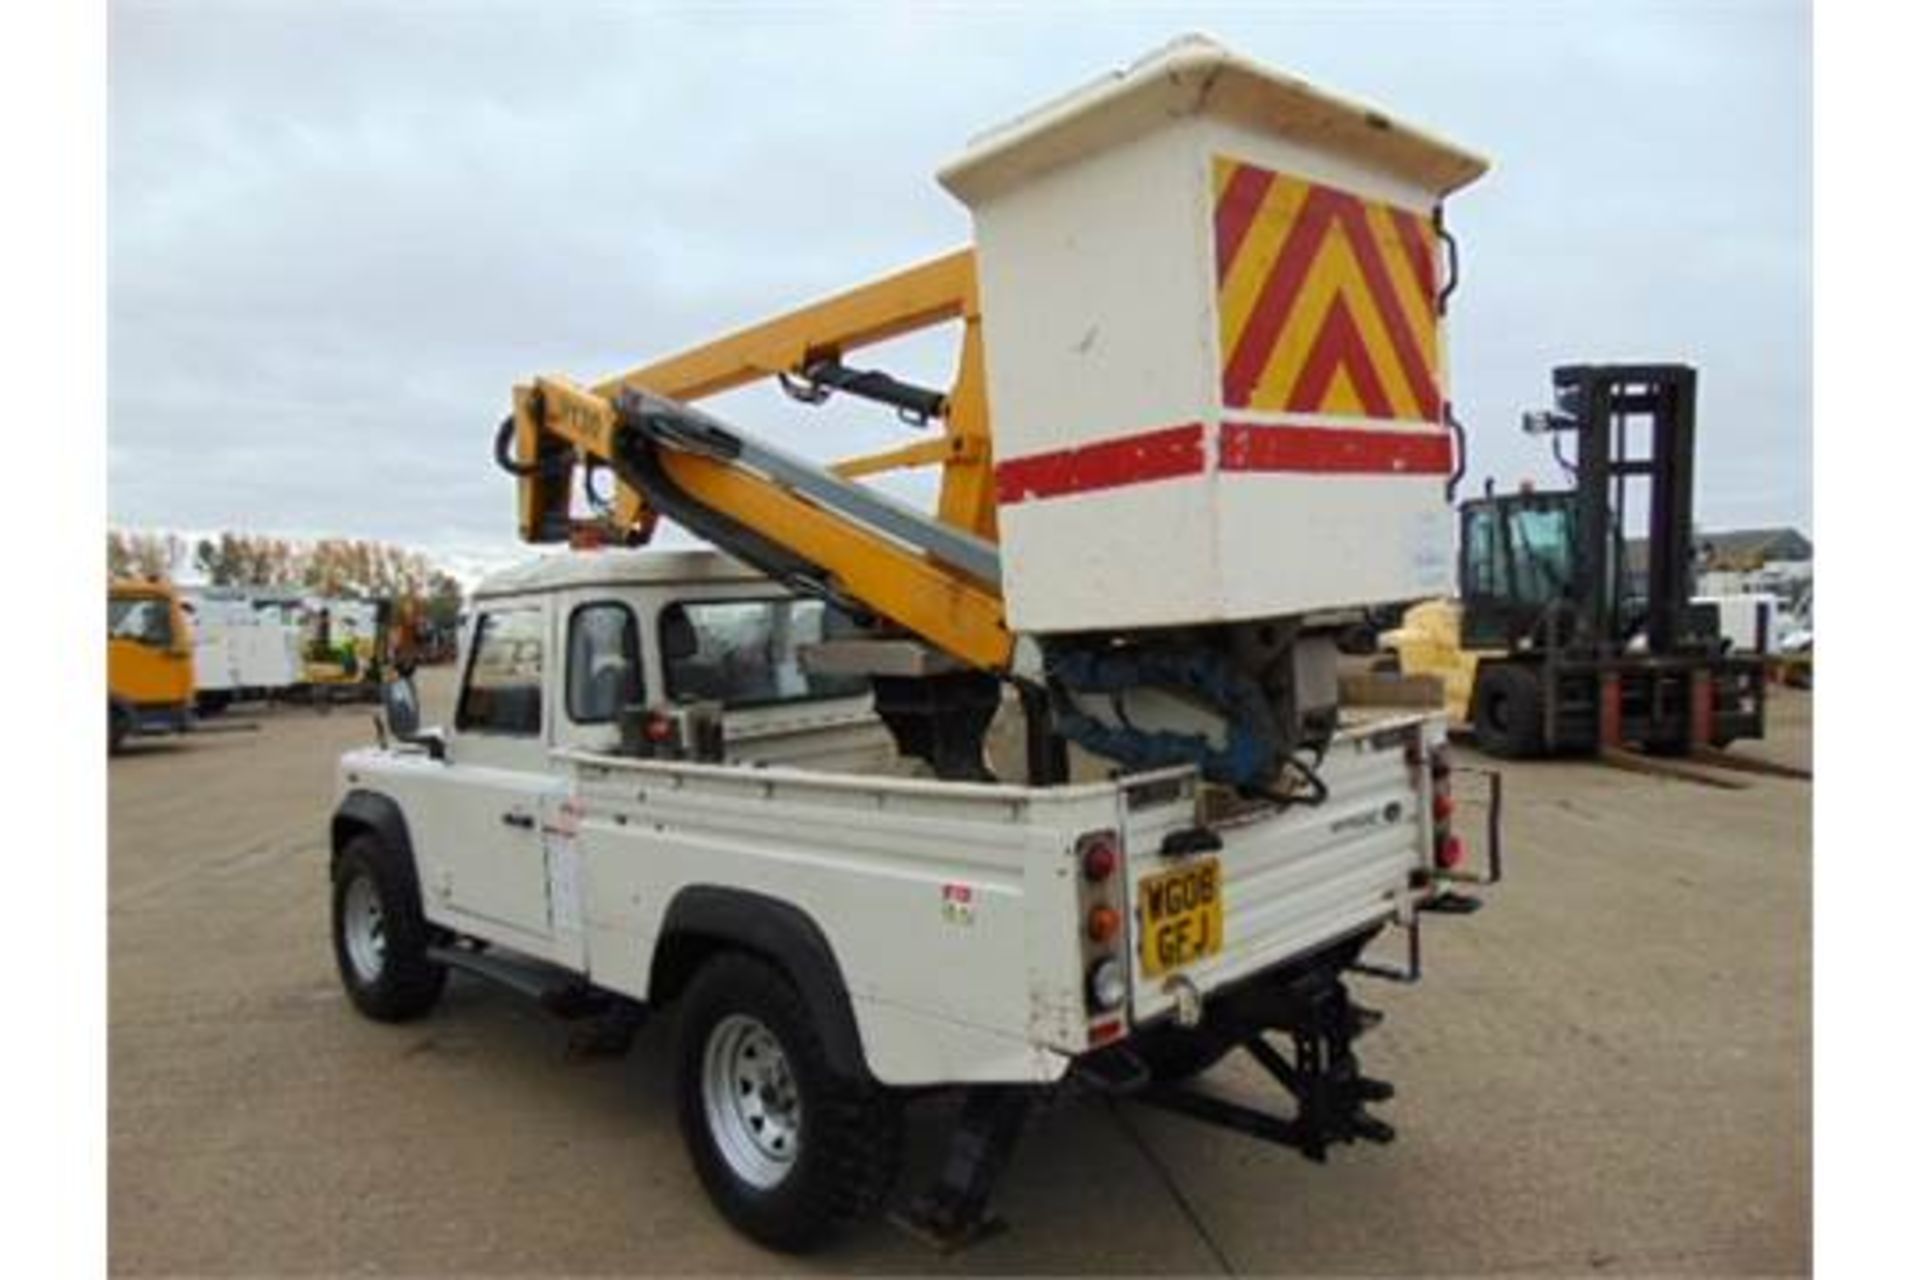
[[1506, 712]]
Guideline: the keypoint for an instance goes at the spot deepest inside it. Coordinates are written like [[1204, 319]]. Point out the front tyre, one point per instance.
[[379, 935], [786, 1149], [1508, 721]]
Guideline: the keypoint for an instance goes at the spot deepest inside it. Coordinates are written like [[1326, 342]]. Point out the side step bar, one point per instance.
[[605, 1024], [558, 991], [541, 983]]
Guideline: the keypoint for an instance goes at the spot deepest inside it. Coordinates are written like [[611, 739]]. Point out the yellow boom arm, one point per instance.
[[560, 427]]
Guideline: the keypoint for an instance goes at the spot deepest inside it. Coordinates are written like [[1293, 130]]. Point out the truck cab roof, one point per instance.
[[615, 566]]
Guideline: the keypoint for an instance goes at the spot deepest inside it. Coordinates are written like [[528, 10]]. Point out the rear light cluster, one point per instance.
[[1448, 851], [1103, 930]]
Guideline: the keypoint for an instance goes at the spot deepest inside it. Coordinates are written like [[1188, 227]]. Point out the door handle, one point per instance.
[[524, 821]]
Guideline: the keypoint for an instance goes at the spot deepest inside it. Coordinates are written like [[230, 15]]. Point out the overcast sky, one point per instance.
[[339, 234]]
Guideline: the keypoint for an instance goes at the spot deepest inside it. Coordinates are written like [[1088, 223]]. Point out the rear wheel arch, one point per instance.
[[704, 921]]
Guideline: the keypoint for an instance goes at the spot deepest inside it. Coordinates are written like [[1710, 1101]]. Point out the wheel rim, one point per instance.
[[1497, 712], [364, 926], [752, 1102]]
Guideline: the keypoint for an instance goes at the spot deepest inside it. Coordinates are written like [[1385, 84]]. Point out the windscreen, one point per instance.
[[141, 619], [1542, 541]]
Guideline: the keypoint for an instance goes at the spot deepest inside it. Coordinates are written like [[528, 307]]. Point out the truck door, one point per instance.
[[600, 638], [486, 854]]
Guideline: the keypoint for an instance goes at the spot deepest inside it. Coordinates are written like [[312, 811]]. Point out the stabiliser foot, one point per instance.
[[954, 1212]]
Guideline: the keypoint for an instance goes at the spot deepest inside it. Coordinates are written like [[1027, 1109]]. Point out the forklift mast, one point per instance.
[[1600, 405]]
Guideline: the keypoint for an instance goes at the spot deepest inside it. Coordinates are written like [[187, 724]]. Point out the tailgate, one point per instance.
[[1286, 881]]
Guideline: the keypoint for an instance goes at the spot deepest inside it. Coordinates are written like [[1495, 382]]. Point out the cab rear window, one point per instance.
[[746, 653]]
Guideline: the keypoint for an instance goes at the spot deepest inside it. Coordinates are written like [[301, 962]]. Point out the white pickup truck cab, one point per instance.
[[837, 929]]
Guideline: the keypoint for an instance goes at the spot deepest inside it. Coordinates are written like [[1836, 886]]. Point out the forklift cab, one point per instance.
[[1517, 558]]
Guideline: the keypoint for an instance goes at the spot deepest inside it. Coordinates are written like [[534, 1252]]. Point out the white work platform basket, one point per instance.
[[1211, 304]]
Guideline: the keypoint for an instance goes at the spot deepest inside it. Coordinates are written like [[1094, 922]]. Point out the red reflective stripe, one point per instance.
[[1244, 446], [1134, 459], [1250, 446]]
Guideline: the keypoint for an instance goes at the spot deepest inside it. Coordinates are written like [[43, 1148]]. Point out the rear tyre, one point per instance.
[[787, 1150], [119, 725], [1507, 719], [1175, 1054], [380, 936]]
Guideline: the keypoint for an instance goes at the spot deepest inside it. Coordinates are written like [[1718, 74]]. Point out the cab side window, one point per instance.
[[603, 663], [502, 693], [1486, 569]]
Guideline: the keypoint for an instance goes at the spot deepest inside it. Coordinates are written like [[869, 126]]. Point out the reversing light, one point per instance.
[[1107, 984]]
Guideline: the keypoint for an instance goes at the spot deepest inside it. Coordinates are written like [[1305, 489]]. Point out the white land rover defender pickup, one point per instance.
[[650, 798]]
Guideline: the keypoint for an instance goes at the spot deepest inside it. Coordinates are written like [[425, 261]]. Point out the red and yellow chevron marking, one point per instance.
[[1327, 301]]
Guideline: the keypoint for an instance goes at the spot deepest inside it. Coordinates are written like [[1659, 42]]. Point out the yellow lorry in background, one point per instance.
[[149, 661]]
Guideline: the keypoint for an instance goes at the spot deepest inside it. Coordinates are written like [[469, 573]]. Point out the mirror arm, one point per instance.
[[431, 742]]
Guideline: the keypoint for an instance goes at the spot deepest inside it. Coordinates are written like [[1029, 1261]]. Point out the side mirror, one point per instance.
[[401, 701]]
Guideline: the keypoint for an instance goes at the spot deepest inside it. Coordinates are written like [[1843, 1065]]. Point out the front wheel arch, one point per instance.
[[361, 811]]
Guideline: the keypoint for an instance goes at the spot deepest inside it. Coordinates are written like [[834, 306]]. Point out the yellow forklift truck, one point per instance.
[[349, 651], [149, 661], [1552, 646]]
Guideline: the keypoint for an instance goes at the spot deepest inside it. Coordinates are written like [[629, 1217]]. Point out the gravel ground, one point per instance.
[[1608, 1069]]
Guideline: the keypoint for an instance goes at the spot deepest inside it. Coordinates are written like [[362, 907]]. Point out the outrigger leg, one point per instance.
[[1324, 1078], [953, 1213]]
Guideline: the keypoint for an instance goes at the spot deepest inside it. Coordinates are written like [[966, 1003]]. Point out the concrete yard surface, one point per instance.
[[1607, 1069]]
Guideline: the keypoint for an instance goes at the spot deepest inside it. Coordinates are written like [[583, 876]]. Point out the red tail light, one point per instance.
[[1101, 890], [1098, 857], [1448, 852]]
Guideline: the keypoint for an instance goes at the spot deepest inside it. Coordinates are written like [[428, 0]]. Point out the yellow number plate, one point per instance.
[[1181, 916]]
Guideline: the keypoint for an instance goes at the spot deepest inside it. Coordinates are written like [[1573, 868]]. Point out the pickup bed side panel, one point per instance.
[[949, 914]]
